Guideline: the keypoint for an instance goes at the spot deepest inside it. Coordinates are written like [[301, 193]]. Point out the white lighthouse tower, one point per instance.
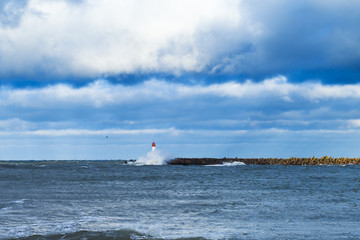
[[153, 146]]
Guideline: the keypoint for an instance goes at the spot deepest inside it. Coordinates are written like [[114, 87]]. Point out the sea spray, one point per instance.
[[153, 158]]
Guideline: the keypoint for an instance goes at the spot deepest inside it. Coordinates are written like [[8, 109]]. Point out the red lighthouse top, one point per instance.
[[153, 144]]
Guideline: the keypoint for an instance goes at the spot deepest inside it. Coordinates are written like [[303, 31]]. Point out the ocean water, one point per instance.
[[113, 200]]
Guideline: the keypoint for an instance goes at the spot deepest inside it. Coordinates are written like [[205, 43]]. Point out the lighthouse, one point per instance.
[[153, 146]]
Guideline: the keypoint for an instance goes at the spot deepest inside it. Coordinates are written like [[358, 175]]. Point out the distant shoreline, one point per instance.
[[267, 161]]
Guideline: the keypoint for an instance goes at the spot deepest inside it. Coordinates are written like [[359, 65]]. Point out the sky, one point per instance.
[[91, 79]]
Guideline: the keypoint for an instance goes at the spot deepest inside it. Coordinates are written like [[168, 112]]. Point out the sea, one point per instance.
[[118, 200]]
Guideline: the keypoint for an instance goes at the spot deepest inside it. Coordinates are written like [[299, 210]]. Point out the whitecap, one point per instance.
[[227, 164], [233, 163], [20, 201]]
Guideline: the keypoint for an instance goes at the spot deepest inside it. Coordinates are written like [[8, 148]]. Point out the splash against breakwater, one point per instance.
[[152, 158]]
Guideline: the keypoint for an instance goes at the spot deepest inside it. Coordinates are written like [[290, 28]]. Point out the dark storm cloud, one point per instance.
[[305, 39]]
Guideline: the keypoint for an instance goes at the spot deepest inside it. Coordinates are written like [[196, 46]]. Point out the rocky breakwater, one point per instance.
[[267, 161]]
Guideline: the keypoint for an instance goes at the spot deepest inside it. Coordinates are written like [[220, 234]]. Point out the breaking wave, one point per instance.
[[153, 158], [227, 164]]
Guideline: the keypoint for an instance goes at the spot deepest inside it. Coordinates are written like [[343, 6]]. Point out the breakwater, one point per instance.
[[267, 161]]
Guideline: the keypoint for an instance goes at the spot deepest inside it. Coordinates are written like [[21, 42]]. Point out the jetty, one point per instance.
[[267, 161]]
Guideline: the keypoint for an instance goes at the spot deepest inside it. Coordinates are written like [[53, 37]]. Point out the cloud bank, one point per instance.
[[270, 118], [102, 93], [158, 106], [61, 39]]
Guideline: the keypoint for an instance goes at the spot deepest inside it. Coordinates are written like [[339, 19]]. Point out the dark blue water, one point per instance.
[[111, 200]]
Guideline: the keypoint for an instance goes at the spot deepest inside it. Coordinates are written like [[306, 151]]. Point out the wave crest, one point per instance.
[[227, 164], [121, 234]]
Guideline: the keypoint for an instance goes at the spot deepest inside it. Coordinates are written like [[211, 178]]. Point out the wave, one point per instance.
[[20, 201], [125, 234], [121, 234], [152, 158], [12, 204], [227, 164]]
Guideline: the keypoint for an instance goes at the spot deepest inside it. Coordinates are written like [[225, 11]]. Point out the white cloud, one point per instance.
[[87, 132], [102, 93], [354, 123], [320, 91], [15, 124], [92, 38], [110, 36], [171, 132]]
